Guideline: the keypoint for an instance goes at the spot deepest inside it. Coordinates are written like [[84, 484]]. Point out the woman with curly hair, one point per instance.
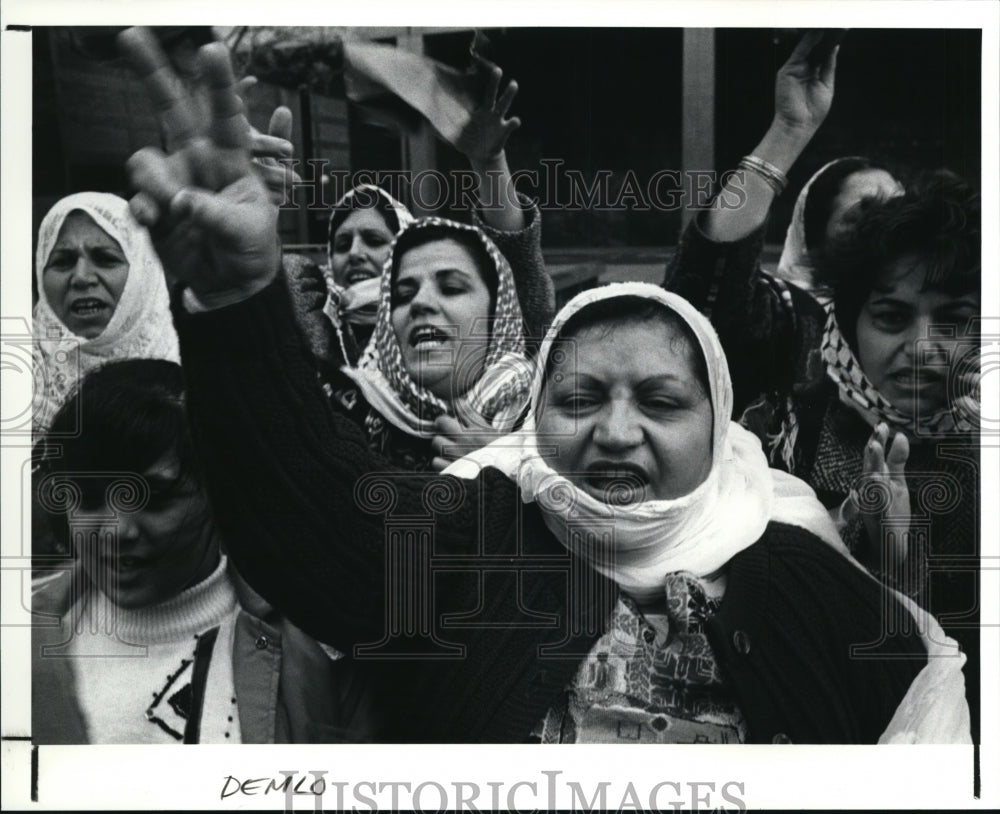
[[873, 399]]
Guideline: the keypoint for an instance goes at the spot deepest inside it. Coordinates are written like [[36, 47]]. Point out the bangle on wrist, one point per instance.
[[771, 175]]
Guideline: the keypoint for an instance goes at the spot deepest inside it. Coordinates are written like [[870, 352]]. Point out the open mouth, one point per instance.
[[430, 337], [87, 307], [617, 481], [359, 275]]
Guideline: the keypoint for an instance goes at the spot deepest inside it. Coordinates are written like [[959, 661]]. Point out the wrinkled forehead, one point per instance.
[[653, 341]]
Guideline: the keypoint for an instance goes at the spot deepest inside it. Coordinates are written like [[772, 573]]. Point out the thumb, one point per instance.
[[281, 123], [448, 426], [829, 70]]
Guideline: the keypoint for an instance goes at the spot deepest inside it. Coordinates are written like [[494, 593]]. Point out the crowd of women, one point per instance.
[[685, 513]]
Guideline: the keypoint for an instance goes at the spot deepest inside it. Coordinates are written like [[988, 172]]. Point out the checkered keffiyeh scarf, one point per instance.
[[859, 393], [500, 394]]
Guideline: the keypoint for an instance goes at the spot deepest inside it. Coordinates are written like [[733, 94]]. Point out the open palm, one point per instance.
[[208, 211], [803, 89]]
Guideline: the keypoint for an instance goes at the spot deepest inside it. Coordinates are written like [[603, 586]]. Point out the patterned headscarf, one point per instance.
[[140, 327], [500, 394], [356, 304], [858, 392]]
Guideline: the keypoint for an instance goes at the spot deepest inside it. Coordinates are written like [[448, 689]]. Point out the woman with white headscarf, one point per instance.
[[101, 296], [662, 664]]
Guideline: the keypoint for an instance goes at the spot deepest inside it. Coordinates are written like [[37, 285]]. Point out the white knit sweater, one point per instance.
[[133, 667]]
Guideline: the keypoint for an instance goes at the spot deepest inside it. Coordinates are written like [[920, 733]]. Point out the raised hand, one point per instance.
[[484, 136], [803, 88], [803, 93], [208, 211], [885, 468]]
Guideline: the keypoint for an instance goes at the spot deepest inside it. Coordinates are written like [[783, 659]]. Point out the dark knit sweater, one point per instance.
[[523, 250], [312, 513]]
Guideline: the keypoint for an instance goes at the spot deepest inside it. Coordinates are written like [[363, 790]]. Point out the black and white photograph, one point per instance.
[[500, 407]]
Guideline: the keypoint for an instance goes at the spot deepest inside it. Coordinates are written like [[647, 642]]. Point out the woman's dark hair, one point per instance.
[[470, 241], [937, 222], [823, 192], [363, 198], [632, 310], [129, 414]]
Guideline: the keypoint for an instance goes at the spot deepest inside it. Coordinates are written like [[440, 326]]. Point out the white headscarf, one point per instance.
[[796, 265], [140, 327], [638, 545], [699, 532]]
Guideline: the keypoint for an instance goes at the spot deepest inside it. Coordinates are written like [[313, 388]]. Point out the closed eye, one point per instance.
[[578, 402], [402, 293], [660, 404]]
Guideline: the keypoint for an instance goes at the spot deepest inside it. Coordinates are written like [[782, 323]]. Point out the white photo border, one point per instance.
[[151, 777]]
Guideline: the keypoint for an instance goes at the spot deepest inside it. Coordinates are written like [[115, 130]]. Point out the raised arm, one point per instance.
[[510, 219], [482, 141], [281, 466], [764, 324], [803, 94]]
